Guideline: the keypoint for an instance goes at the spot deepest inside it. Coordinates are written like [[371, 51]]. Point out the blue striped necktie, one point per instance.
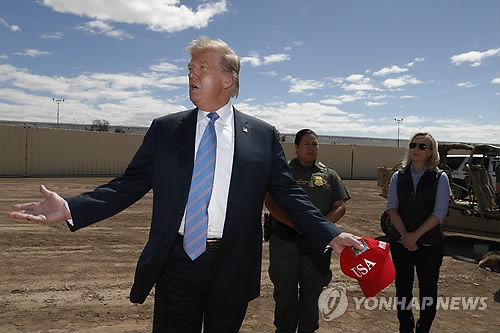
[[202, 182]]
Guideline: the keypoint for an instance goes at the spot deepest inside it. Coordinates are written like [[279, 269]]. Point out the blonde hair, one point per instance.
[[230, 62], [433, 161]]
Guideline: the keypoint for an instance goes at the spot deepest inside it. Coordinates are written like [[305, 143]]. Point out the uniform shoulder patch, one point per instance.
[[321, 166]]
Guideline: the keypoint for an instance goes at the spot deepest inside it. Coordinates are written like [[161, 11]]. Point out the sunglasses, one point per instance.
[[421, 146]]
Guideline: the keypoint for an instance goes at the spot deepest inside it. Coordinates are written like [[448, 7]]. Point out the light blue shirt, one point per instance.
[[442, 194]]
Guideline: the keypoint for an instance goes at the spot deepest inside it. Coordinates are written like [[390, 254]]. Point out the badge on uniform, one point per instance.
[[318, 181]]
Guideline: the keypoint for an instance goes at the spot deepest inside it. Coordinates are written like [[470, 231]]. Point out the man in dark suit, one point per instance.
[[210, 169]]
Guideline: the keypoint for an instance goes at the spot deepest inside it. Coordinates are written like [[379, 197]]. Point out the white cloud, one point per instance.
[[358, 82], [354, 82], [356, 78], [11, 27], [337, 100], [375, 103], [449, 121], [32, 53], [270, 73], [275, 58], [332, 101], [91, 87], [298, 43], [4, 57], [466, 84], [121, 98], [290, 117], [255, 60], [473, 57], [165, 67], [450, 130], [53, 35], [335, 80], [378, 97], [165, 16], [411, 64], [400, 81], [416, 120], [390, 70], [299, 86], [496, 80], [407, 97], [103, 28]]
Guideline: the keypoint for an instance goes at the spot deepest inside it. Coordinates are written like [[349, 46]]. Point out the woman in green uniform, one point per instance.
[[298, 270]]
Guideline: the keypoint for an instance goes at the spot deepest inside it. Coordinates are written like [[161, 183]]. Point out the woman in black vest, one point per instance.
[[417, 203]]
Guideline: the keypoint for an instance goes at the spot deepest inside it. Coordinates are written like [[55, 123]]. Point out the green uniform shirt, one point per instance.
[[321, 183]]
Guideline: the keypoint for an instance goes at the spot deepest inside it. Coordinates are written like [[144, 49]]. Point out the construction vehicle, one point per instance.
[[473, 208]]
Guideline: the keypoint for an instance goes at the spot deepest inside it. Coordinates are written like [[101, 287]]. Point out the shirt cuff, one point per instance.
[[70, 221]]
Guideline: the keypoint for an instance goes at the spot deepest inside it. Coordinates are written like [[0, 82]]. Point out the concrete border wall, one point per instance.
[[13, 151], [353, 161], [52, 152], [41, 152]]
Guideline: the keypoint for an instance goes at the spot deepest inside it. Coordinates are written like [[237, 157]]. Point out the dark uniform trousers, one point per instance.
[[427, 261], [185, 284], [294, 259]]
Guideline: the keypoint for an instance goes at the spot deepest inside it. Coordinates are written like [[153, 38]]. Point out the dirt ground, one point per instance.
[[52, 280]]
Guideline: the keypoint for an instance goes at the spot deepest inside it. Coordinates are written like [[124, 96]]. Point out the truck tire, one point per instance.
[[385, 223]]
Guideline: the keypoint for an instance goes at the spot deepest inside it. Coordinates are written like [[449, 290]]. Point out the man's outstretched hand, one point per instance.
[[50, 209], [343, 240]]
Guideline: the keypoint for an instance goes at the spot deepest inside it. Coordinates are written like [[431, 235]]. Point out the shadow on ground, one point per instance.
[[468, 248]]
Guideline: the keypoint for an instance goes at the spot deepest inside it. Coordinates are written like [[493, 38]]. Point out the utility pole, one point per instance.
[[398, 120], [58, 101]]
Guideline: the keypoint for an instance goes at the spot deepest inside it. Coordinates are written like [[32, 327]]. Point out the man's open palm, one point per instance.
[[49, 210]]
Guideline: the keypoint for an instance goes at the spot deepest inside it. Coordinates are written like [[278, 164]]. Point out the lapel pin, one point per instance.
[[245, 129]]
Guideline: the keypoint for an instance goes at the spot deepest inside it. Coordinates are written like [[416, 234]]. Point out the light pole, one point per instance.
[[58, 101], [398, 120]]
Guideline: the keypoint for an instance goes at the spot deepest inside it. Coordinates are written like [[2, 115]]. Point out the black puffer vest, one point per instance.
[[415, 208]]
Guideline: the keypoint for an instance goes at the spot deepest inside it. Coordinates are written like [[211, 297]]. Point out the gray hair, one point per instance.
[[230, 62], [433, 161]]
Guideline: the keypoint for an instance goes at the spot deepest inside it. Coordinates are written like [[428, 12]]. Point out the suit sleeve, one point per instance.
[[113, 197], [295, 202]]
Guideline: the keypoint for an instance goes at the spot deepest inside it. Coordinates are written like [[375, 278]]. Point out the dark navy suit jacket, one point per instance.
[[164, 163]]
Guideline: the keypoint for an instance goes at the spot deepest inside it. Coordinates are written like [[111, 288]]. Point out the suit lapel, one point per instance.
[[184, 146]]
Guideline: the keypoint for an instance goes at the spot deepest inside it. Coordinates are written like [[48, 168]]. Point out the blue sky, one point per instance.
[[339, 67]]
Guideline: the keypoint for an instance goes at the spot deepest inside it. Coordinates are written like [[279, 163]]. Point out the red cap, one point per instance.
[[372, 266]]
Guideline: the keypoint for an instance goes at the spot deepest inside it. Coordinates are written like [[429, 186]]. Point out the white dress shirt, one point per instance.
[[224, 129]]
